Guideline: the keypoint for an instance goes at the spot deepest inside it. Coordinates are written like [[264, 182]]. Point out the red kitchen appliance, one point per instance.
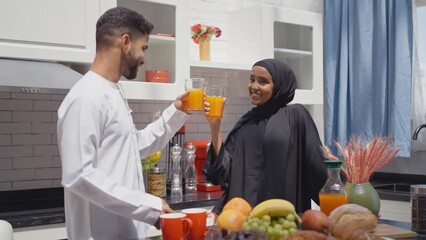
[[200, 158]]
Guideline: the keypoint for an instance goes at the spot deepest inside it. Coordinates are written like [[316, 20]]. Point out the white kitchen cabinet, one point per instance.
[[169, 52], [51, 30], [292, 36]]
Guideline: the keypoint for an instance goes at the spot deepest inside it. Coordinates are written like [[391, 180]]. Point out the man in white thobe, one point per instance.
[[99, 145]]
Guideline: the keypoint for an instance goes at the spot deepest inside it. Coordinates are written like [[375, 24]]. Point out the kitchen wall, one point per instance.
[[29, 156]]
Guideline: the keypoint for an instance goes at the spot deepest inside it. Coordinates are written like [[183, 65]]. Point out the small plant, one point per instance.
[[363, 158], [199, 31], [150, 161]]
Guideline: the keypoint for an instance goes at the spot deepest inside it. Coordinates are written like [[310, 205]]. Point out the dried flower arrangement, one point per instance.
[[363, 158]]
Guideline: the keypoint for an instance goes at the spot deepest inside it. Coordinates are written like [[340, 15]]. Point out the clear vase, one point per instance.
[[204, 47], [365, 195]]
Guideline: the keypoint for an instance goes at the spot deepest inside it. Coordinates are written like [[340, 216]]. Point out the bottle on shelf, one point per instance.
[[333, 194], [191, 172], [176, 188]]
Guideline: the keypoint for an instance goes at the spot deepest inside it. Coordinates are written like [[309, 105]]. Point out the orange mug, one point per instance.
[[175, 226], [199, 217]]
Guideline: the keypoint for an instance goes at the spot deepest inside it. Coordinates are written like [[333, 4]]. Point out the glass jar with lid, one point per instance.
[[333, 193], [157, 181]]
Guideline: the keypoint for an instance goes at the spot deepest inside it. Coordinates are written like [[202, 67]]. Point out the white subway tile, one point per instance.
[[15, 128], [39, 96], [46, 150], [16, 175], [46, 105], [48, 173], [31, 139], [13, 104], [200, 5], [5, 163], [5, 186], [44, 128], [5, 140], [32, 162], [16, 151], [5, 95], [36, 184], [5, 116], [25, 116]]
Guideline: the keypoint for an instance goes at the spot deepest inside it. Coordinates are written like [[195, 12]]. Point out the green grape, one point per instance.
[[246, 226], [277, 226], [290, 217], [292, 230], [281, 220], [265, 224], [249, 219], [293, 225], [274, 221], [261, 229], [270, 231], [255, 226], [266, 218], [284, 233], [286, 224]]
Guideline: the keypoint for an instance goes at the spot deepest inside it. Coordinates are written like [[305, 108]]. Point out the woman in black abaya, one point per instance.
[[274, 149]]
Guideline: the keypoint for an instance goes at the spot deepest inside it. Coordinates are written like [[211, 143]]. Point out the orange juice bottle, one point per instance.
[[216, 106], [333, 194]]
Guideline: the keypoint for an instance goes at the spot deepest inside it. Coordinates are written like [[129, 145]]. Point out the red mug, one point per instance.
[[199, 217], [175, 226]]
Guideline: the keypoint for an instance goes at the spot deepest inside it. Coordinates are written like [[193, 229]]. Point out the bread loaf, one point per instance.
[[352, 222]]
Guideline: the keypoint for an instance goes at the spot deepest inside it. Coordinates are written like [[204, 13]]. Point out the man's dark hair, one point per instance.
[[118, 21]]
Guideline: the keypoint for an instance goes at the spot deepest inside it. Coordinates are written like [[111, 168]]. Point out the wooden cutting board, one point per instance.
[[386, 230]]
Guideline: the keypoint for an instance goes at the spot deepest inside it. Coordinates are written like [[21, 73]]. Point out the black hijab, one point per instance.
[[283, 93]]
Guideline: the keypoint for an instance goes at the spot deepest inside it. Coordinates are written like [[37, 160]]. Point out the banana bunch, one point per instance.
[[274, 208]]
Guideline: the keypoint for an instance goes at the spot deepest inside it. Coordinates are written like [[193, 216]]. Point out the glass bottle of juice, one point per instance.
[[333, 194]]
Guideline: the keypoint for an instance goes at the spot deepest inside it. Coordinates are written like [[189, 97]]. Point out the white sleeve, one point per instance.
[[157, 134], [79, 132]]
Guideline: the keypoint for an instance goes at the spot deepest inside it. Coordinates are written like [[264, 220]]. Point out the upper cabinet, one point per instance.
[[292, 36], [51, 30], [167, 48]]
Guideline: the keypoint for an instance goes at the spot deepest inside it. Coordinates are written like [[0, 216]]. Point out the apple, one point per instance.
[[315, 220]]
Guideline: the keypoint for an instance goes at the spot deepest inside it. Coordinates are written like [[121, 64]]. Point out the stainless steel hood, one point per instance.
[[36, 77]]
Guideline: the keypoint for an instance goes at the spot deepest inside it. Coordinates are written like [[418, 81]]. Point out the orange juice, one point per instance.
[[329, 201], [195, 99], [216, 106]]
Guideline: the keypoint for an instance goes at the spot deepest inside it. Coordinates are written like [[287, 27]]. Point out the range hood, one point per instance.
[[36, 77]]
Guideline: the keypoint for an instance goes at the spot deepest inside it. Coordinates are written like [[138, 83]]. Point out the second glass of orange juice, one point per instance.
[[216, 99], [195, 99]]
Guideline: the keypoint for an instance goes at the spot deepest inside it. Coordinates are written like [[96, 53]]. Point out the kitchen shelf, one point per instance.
[[221, 65], [291, 53]]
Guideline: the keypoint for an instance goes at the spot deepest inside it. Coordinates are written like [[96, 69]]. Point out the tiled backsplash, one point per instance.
[[29, 155]]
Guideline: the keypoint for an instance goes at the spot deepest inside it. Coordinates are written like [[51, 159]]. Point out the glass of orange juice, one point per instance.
[[195, 99], [216, 99]]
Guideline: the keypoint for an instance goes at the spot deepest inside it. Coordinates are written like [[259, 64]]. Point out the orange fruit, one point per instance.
[[238, 204], [231, 220]]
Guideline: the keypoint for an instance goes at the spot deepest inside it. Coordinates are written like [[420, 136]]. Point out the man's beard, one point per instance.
[[131, 65]]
